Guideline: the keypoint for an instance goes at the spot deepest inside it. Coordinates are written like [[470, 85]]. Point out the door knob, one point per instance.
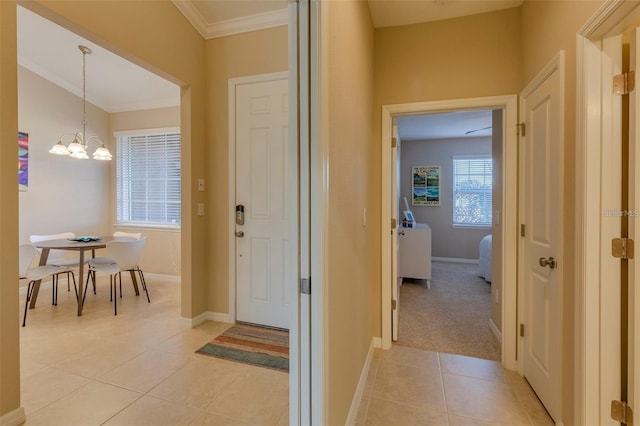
[[239, 234], [550, 262]]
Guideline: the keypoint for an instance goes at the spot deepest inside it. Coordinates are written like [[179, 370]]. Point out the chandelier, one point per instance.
[[78, 146]]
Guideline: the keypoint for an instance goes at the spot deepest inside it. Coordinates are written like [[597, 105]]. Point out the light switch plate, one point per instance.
[[200, 209], [201, 184]]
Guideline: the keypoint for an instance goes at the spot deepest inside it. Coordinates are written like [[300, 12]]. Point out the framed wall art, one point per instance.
[[23, 161], [425, 189]]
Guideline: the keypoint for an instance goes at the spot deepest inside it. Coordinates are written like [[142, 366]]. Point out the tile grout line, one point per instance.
[[444, 392]]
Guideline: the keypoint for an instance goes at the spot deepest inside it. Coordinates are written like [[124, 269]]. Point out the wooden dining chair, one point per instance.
[[125, 255], [28, 252]]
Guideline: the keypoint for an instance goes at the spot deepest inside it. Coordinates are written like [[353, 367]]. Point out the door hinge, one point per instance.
[[623, 84], [621, 412], [622, 248], [521, 129], [305, 285], [394, 304], [394, 142], [521, 330], [522, 230], [394, 224]]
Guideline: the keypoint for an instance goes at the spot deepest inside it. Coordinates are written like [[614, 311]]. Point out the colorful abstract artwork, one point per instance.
[[23, 161]]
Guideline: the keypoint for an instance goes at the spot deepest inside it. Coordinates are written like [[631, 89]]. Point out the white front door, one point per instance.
[[265, 251], [541, 162]]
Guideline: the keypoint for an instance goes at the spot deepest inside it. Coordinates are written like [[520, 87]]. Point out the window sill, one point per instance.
[[153, 226], [478, 227]]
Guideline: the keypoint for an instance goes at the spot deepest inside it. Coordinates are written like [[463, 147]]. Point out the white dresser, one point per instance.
[[414, 252]]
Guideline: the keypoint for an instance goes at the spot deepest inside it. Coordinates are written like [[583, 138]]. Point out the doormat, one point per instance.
[[264, 347]]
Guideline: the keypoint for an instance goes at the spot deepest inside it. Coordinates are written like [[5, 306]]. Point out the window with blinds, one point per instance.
[[472, 186], [148, 179]]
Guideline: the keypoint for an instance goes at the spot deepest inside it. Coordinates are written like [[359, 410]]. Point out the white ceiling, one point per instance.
[[459, 124], [115, 84]]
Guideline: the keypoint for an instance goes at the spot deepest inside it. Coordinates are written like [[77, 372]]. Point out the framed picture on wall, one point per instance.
[[425, 186], [23, 161]]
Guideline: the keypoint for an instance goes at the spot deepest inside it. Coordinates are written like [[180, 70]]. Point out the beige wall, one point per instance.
[[446, 241], [351, 274], [256, 52], [64, 194], [130, 30], [458, 58], [162, 252], [547, 28], [9, 325]]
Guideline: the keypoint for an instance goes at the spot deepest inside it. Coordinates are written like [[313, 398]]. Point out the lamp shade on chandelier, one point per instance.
[[78, 141]]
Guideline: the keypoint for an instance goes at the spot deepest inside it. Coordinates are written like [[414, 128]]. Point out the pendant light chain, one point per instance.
[[84, 94]]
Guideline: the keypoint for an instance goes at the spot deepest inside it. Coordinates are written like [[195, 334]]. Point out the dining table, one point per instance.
[[81, 245]]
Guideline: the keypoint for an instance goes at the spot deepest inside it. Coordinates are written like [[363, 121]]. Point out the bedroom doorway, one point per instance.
[[445, 182], [504, 239]]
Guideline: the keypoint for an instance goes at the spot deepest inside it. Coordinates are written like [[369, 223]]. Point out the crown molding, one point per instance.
[[244, 24]]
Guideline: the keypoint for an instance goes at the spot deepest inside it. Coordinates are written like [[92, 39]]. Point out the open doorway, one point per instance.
[[504, 238], [446, 181]]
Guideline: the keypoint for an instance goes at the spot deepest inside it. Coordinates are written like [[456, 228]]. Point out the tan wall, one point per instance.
[[547, 28], [64, 194], [9, 325], [256, 52], [130, 30], [162, 252], [458, 58], [350, 277]]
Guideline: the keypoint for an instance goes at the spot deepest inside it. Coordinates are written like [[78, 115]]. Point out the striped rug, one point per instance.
[[249, 344]]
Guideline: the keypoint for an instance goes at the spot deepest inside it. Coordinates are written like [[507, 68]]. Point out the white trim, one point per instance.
[[492, 326], [454, 260], [205, 316], [13, 418], [364, 373], [259, 21], [611, 19], [177, 279], [233, 83], [508, 104], [153, 131]]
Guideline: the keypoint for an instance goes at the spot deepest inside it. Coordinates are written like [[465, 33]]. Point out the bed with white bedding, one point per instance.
[[484, 264]]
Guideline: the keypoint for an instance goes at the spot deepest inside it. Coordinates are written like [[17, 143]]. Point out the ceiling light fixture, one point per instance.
[[78, 147]]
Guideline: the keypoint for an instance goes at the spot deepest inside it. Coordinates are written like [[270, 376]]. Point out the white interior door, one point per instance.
[[265, 251], [541, 161], [395, 290]]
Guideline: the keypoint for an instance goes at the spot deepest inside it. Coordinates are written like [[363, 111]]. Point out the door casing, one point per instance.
[[509, 105], [593, 360]]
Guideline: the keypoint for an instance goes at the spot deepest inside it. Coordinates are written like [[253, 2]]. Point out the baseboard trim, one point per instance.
[[495, 330], [13, 418], [205, 316], [376, 342], [174, 278], [454, 260]]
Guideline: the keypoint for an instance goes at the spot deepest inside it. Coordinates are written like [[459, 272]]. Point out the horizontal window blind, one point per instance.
[[148, 179], [472, 187]]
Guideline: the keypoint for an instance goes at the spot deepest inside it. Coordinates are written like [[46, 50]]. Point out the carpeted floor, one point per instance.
[[452, 317]]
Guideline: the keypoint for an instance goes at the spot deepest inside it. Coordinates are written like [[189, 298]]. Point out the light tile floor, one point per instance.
[[408, 386], [139, 368], [136, 368]]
